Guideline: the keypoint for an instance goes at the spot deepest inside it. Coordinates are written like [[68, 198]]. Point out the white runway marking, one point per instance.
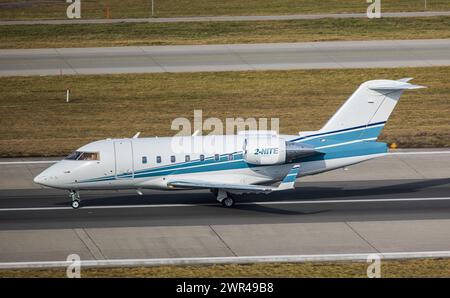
[[28, 162], [237, 204], [231, 260], [419, 153]]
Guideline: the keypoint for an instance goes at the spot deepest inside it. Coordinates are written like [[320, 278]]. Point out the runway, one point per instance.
[[227, 57], [226, 18], [396, 206], [317, 218], [309, 202]]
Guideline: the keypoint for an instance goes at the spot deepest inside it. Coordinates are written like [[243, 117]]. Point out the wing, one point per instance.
[[286, 183], [226, 186]]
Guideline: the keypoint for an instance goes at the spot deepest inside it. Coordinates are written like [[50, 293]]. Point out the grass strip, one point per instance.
[[35, 119]]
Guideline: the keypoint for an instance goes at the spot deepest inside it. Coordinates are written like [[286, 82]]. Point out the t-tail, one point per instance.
[[355, 127], [369, 108]]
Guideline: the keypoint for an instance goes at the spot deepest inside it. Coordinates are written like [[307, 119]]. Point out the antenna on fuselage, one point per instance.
[[136, 135]]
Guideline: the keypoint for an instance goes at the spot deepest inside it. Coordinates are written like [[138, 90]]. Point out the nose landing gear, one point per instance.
[[75, 197]]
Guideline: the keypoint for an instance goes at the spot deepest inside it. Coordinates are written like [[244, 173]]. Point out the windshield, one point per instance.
[[77, 155]]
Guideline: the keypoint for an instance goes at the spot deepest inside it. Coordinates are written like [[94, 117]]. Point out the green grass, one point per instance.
[[35, 120], [405, 268], [82, 35], [56, 9]]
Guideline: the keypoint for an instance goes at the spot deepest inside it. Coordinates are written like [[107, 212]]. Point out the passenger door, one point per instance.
[[123, 151]]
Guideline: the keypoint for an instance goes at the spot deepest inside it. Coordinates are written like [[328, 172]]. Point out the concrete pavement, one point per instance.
[[231, 57], [225, 240], [227, 18], [346, 216]]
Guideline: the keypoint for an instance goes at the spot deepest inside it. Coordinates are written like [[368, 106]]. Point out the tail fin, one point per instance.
[[370, 105]]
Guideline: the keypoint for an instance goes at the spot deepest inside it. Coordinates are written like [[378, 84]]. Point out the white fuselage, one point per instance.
[[141, 163]]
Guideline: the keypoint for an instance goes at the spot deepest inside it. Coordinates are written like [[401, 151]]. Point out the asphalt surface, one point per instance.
[[310, 202], [227, 57], [227, 18], [398, 203]]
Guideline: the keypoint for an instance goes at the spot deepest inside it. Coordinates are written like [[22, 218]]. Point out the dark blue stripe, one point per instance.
[[340, 130]]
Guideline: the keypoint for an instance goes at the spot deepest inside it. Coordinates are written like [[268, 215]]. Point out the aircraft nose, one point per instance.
[[57, 176], [40, 179], [47, 178]]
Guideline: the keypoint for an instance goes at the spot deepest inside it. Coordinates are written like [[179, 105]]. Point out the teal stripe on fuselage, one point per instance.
[[348, 150], [342, 150], [341, 137], [339, 131], [196, 162], [229, 165], [179, 168]]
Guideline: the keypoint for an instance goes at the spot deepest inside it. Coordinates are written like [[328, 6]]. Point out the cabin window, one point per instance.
[[216, 156], [158, 159], [172, 158], [144, 159], [78, 155], [187, 158], [202, 157], [230, 156]]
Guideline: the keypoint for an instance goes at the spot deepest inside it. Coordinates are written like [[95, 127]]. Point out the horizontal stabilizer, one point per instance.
[[392, 85], [406, 80]]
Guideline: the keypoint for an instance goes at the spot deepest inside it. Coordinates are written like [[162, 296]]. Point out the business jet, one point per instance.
[[249, 162]]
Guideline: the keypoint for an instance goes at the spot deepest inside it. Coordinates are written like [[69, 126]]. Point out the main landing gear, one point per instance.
[[228, 202], [225, 198], [75, 197]]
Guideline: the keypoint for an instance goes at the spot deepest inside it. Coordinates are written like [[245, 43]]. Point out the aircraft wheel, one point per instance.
[[75, 204], [228, 202]]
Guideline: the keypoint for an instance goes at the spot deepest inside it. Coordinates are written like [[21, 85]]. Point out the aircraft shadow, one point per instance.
[[300, 193]]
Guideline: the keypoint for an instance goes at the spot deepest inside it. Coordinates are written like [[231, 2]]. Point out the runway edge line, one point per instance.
[[228, 260]]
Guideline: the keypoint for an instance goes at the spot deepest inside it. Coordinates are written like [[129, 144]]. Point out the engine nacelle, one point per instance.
[[265, 150], [273, 150]]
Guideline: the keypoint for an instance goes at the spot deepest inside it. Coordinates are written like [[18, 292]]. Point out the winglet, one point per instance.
[[289, 181]]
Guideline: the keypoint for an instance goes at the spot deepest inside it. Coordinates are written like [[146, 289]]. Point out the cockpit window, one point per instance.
[[74, 155], [89, 156], [77, 155]]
